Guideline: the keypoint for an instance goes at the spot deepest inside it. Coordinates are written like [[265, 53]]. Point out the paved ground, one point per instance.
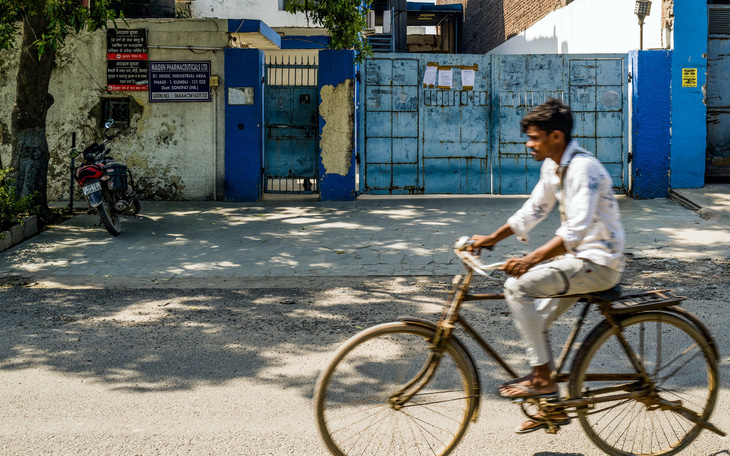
[[189, 242]]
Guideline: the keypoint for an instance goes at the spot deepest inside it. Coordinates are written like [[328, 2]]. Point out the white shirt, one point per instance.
[[591, 226]]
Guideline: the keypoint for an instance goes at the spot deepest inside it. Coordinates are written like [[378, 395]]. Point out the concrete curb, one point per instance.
[[27, 228], [684, 201]]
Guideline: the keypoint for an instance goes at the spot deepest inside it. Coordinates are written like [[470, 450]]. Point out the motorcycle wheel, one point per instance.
[[136, 207], [109, 218]]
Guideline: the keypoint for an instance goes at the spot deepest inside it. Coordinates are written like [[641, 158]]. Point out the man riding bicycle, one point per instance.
[[590, 236]]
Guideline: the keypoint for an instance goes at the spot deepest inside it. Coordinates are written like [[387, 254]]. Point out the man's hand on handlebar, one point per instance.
[[481, 242], [515, 267]]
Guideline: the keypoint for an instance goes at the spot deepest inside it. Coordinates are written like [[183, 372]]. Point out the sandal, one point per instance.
[[529, 392], [532, 425]]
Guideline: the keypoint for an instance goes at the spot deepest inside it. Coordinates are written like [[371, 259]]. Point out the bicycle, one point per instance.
[[643, 381]]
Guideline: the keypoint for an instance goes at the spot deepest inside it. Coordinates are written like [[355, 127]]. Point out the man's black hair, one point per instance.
[[550, 116]]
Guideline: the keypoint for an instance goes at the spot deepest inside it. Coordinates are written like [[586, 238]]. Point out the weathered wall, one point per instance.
[[588, 26], [175, 150], [338, 143]]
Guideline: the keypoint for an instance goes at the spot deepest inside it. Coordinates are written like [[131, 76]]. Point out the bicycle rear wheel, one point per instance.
[[353, 395], [682, 366]]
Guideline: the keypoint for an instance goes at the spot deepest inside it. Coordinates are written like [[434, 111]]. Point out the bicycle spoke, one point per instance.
[[360, 434], [683, 397], [420, 423], [361, 419], [423, 404], [674, 372]]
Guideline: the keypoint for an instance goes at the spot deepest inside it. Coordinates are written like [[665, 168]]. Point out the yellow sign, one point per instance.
[[689, 77]]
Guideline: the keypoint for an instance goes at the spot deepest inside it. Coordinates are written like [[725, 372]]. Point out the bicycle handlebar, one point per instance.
[[473, 261]]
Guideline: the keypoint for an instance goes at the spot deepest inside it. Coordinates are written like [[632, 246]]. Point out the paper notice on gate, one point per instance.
[[429, 76], [445, 78], [467, 79]]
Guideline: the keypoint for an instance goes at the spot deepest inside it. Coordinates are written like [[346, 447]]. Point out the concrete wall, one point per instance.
[[588, 26], [689, 112], [651, 126], [175, 150]]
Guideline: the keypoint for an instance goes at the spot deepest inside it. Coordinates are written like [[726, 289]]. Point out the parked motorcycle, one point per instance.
[[107, 186]]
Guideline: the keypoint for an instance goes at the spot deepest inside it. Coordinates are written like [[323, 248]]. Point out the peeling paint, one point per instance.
[[337, 140]]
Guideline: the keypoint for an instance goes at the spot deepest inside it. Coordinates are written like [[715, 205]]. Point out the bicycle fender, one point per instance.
[[460, 345]]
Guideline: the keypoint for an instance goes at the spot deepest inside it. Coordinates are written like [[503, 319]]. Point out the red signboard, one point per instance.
[[112, 56], [124, 88]]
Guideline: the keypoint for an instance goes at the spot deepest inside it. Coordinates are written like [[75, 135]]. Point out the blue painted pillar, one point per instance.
[[650, 123], [689, 113], [337, 143], [244, 70]]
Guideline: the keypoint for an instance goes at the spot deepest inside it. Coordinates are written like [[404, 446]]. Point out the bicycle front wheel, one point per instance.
[[353, 396], [682, 367]]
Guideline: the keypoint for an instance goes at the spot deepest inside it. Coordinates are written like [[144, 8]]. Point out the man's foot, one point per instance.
[[519, 390], [558, 419], [537, 383]]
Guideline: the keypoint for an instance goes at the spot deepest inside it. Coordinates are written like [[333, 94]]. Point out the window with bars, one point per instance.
[[117, 109]]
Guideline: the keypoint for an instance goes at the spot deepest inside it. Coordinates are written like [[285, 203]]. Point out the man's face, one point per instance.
[[543, 144]]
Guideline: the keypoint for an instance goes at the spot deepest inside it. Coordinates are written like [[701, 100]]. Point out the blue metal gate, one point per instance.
[[291, 123], [460, 133]]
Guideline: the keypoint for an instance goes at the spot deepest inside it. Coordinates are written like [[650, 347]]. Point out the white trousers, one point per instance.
[[534, 316]]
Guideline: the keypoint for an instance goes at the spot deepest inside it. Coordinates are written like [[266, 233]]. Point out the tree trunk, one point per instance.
[[30, 154]]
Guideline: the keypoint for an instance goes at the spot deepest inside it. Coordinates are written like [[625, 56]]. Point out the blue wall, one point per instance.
[[244, 126], [334, 68], [689, 114], [650, 125]]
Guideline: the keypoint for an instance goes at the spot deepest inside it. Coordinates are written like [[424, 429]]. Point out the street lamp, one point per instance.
[[642, 9]]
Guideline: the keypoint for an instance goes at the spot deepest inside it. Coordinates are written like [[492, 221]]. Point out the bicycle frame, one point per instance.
[[451, 317]]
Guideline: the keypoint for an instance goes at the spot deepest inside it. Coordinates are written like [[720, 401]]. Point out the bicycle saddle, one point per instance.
[[612, 294]]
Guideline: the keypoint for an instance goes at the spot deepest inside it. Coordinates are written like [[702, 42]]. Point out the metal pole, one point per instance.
[[641, 33], [71, 184]]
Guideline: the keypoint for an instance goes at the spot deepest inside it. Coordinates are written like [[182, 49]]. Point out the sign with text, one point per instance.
[[126, 44], [689, 77], [126, 75], [179, 81], [126, 60]]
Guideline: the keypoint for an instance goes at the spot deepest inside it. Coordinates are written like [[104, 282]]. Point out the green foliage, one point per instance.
[[12, 208], [64, 16], [344, 19]]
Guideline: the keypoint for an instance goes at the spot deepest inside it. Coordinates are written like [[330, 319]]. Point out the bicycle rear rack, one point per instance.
[[650, 300]]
